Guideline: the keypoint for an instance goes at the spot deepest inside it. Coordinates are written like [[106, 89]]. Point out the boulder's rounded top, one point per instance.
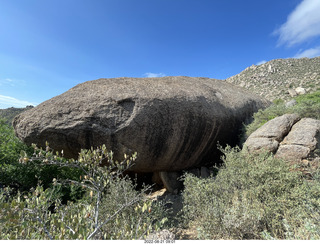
[[148, 87], [157, 87]]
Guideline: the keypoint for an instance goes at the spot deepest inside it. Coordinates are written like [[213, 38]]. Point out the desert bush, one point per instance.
[[308, 105], [263, 116], [110, 209], [253, 197], [10, 145], [11, 172], [23, 177], [314, 96], [278, 101]]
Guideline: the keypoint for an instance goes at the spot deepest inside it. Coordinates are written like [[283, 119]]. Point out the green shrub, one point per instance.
[[307, 109], [263, 116], [135, 221], [278, 101], [10, 145], [28, 175], [314, 97], [110, 209], [253, 197], [23, 177]]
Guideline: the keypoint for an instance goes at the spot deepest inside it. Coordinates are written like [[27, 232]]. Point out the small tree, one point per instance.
[[40, 215]]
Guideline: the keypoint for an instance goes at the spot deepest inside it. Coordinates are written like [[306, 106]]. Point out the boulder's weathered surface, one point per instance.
[[174, 123], [288, 137]]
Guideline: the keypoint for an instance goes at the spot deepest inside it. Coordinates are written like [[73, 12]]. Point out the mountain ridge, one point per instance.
[[280, 78]]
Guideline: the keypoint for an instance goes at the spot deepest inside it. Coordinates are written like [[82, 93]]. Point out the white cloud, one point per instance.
[[261, 62], [6, 102], [309, 53], [302, 24], [152, 75], [12, 82]]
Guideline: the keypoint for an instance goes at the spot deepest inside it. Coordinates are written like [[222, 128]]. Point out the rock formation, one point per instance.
[[269, 136], [302, 142], [288, 137], [173, 123]]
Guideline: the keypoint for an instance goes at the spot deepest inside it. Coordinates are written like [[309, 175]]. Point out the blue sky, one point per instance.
[[47, 47]]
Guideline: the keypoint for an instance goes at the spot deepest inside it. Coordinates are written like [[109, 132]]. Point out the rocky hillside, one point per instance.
[[9, 113], [280, 78]]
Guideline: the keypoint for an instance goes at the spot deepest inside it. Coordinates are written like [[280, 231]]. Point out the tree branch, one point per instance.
[[111, 217]]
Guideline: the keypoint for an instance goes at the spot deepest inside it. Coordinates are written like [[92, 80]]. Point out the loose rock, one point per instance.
[[300, 90]]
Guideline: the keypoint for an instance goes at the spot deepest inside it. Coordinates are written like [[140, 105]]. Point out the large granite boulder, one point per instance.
[[288, 137], [173, 123]]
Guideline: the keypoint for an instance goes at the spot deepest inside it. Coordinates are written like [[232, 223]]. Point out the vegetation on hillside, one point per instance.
[[307, 106], [273, 79], [9, 113], [109, 206], [253, 197]]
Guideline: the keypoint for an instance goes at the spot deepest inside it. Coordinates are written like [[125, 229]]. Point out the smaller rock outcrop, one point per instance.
[[302, 141], [288, 137], [269, 136]]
